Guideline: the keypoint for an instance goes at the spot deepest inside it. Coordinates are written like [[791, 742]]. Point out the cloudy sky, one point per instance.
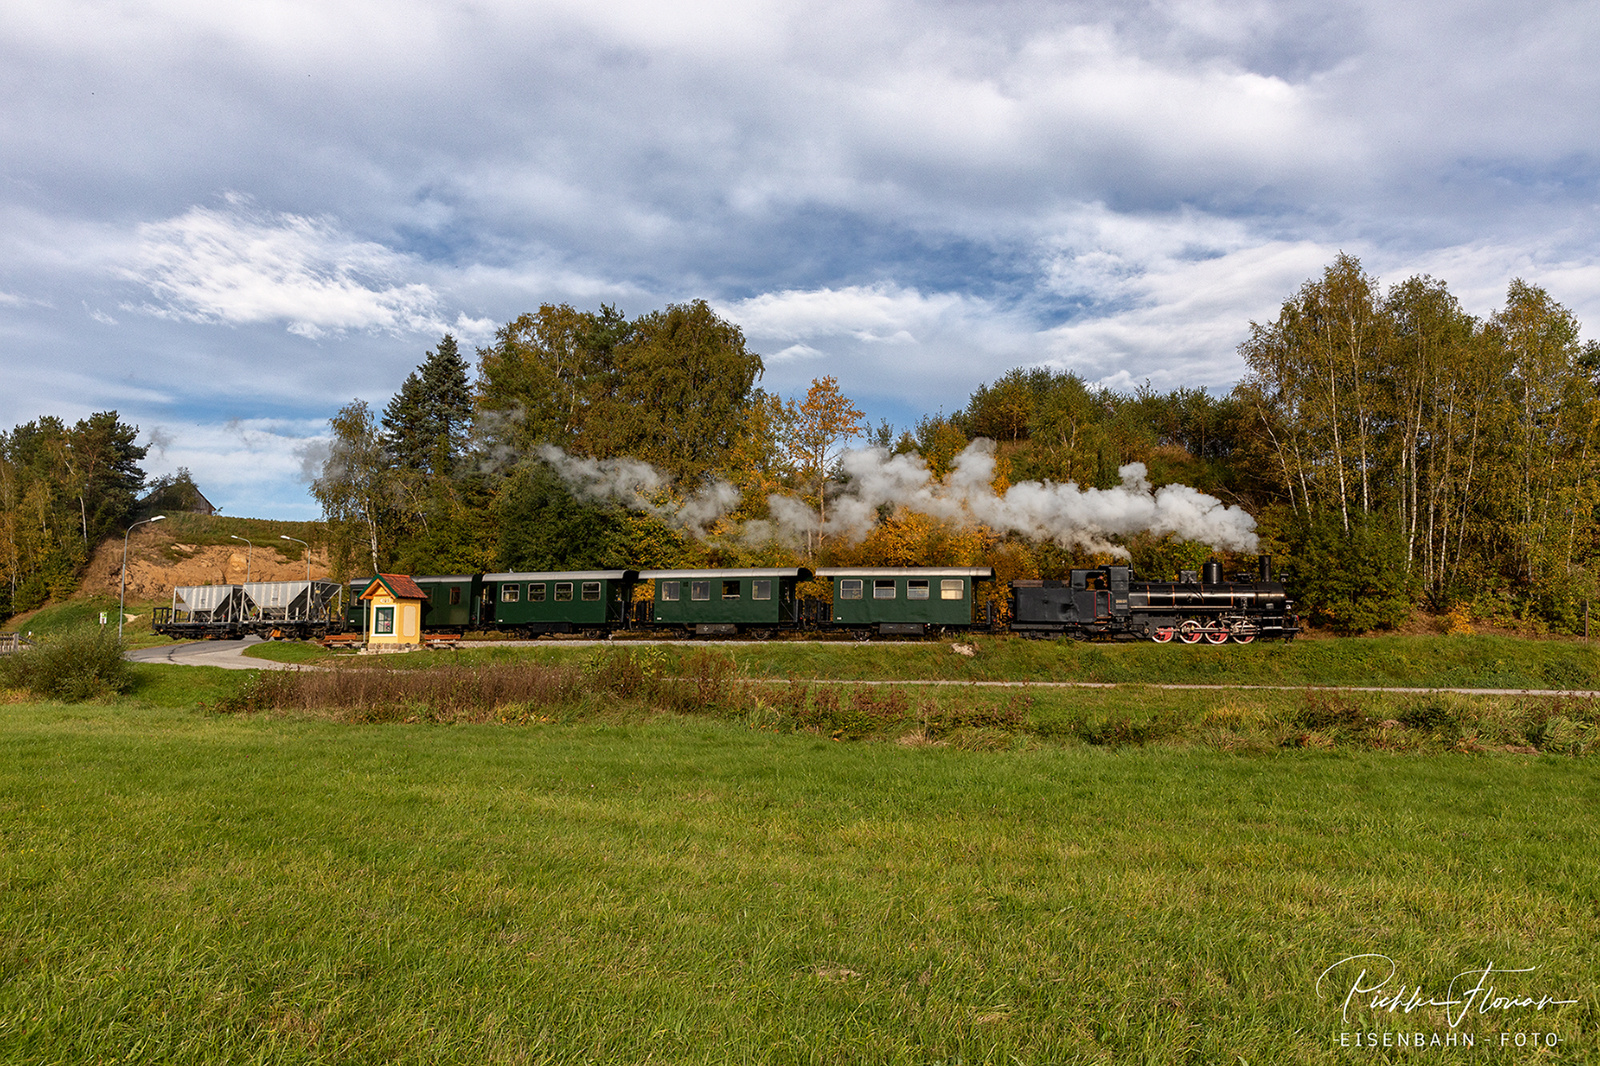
[[226, 220]]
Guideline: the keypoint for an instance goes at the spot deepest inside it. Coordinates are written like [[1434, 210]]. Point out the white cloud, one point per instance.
[[1168, 297], [911, 197], [883, 314], [251, 467], [886, 342], [241, 266]]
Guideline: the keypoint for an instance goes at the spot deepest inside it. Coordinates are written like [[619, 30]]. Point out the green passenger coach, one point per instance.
[[558, 602], [905, 600], [725, 602], [451, 601]]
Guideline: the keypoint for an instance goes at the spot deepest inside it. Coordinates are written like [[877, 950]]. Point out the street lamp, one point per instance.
[[307, 547], [247, 552], [122, 594]]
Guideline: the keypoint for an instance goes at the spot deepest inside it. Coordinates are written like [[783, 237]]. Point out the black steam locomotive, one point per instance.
[[1106, 604]]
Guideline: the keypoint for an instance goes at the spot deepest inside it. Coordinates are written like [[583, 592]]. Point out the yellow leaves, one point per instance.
[[945, 442], [814, 429], [755, 462], [907, 538]]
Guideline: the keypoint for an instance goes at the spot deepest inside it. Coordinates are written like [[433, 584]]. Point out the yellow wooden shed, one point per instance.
[[394, 619]]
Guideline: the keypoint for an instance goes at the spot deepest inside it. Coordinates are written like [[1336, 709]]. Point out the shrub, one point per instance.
[[1352, 580], [1329, 711], [78, 665], [1005, 717]]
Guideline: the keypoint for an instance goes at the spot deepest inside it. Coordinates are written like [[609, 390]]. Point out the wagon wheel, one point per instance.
[[1244, 631], [1216, 635], [1162, 634], [1189, 631]]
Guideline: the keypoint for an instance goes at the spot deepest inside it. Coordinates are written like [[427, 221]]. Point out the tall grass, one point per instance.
[[617, 684], [73, 665], [705, 683]]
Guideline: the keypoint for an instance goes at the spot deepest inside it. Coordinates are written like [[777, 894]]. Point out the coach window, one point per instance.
[[669, 590], [563, 591], [761, 589], [730, 590], [916, 589], [850, 588], [591, 590], [536, 591], [883, 589], [508, 593], [455, 595], [952, 588], [699, 590]]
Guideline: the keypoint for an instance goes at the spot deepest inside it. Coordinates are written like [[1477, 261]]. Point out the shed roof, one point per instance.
[[399, 586]]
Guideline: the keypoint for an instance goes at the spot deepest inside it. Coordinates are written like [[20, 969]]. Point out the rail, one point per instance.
[[13, 642]]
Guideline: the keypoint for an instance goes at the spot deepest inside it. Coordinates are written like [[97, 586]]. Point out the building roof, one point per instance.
[[399, 586]]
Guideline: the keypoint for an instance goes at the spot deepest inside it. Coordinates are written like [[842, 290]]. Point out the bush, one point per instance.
[[81, 664], [1352, 580]]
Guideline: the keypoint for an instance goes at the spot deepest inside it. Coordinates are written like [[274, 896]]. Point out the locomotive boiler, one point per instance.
[[1107, 604]]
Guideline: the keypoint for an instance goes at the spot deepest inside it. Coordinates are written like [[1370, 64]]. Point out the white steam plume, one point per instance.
[[640, 486], [1044, 510]]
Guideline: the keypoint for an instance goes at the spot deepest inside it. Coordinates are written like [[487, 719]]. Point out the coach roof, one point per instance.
[[799, 573], [566, 575], [905, 571]]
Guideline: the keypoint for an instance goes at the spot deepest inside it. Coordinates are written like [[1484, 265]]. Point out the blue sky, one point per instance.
[[225, 221]]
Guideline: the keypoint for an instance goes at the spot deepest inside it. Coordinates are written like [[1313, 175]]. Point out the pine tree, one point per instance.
[[425, 424]]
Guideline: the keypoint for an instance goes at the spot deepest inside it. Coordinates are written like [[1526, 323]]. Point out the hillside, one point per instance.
[[192, 549]]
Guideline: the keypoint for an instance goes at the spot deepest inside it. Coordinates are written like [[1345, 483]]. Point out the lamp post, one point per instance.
[[247, 553], [122, 594], [307, 547]]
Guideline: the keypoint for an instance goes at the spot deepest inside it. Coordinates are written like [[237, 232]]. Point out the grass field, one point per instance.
[[184, 887], [1415, 662]]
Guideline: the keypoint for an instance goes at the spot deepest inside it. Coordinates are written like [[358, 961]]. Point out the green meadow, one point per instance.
[[641, 854]]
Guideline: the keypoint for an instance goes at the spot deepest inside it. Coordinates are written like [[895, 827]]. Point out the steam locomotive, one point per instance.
[[1107, 604], [1104, 603]]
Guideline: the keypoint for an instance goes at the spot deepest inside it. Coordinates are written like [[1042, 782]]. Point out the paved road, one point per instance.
[[228, 654]]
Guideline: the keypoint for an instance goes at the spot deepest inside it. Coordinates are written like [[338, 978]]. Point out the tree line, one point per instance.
[[1395, 450], [63, 489]]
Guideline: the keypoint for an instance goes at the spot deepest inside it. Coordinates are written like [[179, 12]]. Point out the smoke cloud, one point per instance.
[[1071, 516], [638, 485], [1044, 510]]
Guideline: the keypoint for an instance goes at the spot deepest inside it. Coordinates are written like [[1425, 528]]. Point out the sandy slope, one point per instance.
[[156, 564]]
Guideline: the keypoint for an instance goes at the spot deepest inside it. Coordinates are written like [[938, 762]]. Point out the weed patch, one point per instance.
[[506, 692], [75, 665]]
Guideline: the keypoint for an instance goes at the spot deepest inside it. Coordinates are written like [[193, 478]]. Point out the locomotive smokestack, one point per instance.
[[1213, 573], [1265, 562]]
